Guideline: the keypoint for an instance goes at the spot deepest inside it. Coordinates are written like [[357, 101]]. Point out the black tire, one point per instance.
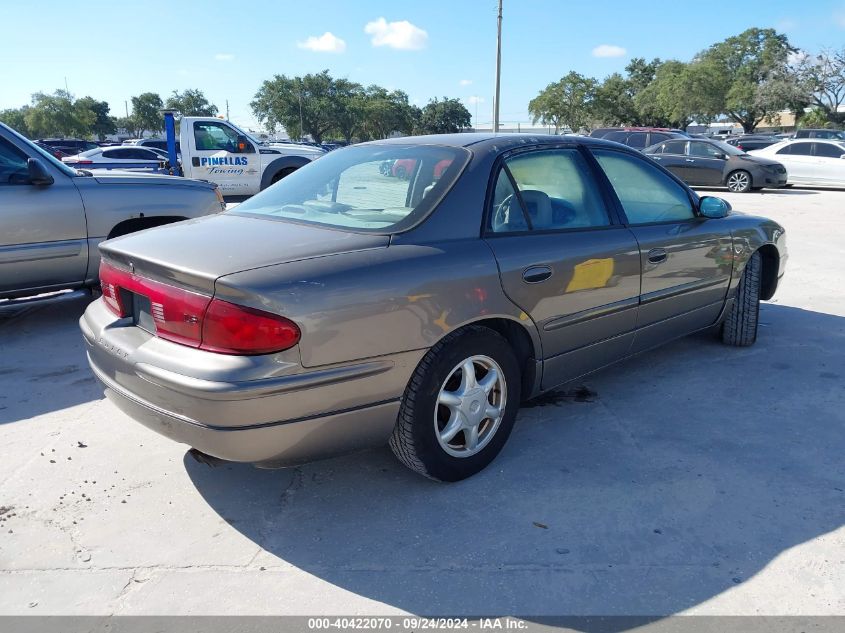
[[739, 181], [740, 326], [415, 440]]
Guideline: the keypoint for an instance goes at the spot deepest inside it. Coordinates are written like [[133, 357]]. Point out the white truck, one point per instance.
[[218, 151]]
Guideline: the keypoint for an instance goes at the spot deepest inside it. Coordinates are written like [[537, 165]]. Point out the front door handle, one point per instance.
[[536, 274], [690, 160], [657, 256]]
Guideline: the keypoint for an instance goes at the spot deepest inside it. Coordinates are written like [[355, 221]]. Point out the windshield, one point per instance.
[[44, 154], [370, 188]]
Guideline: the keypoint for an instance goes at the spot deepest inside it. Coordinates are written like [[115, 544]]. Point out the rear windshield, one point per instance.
[[369, 188]]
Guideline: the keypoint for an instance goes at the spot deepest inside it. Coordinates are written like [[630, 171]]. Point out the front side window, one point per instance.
[[828, 150], [13, 168], [638, 140], [799, 149], [647, 194], [358, 188], [674, 147], [210, 135], [556, 192], [705, 150]]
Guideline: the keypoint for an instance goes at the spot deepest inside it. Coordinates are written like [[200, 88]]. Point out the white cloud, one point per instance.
[[608, 50], [474, 100], [224, 57], [326, 43], [402, 35], [785, 25], [465, 82]]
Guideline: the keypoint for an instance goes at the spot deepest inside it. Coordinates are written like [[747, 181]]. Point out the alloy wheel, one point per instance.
[[738, 182], [470, 406]]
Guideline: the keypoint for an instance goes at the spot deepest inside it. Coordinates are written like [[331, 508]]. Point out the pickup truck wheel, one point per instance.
[[740, 326], [281, 174], [459, 407], [739, 181]]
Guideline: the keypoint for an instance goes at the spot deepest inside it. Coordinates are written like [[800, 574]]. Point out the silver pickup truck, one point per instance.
[[53, 217]]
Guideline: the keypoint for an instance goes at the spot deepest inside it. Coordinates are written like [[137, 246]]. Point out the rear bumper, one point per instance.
[[267, 410], [284, 443]]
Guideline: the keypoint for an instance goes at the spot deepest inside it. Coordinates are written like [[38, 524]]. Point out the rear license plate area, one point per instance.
[[142, 313]]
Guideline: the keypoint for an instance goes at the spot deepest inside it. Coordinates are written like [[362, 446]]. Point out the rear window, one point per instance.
[[369, 188]]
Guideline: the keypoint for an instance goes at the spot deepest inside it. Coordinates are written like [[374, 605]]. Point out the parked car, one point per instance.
[[68, 145], [711, 163], [131, 155], [347, 313], [817, 162], [638, 137], [54, 217], [56, 153], [834, 135], [749, 142], [157, 143]]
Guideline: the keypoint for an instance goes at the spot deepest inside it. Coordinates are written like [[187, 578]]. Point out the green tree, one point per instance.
[[302, 105], [103, 123], [444, 117], [613, 102], [15, 118], [751, 67], [57, 115], [146, 114], [823, 75], [567, 102], [348, 108], [191, 102], [385, 112]]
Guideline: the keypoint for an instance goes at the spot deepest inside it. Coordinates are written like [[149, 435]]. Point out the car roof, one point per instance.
[[488, 140]]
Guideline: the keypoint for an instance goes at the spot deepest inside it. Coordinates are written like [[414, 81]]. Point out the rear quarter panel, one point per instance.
[[379, 301]]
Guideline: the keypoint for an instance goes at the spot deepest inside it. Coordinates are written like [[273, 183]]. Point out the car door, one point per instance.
[[799, 161], [705, 164], [830, 166], [43, 237], [673, 157], [216, 156], [564, 259], [685, 259]]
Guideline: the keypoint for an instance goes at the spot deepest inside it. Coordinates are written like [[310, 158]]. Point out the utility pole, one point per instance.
[[227, 109], [126, 107], [498, 70]]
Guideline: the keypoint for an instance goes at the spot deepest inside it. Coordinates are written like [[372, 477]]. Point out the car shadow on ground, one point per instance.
[[43, 366], [673, 478]]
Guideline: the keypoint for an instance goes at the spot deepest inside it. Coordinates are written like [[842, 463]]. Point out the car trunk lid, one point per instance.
[[194, 253]]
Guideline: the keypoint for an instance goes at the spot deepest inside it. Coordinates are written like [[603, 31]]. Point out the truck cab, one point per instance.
[[218, 151]]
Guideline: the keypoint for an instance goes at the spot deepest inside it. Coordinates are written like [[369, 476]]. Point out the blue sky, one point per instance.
[[113, 50]]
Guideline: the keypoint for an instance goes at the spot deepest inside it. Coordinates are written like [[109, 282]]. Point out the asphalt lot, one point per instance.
[[697, 478]]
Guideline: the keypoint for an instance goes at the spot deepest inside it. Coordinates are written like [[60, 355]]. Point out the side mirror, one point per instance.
[[713, 207], [38, 174], [722, 156], [243, 145]]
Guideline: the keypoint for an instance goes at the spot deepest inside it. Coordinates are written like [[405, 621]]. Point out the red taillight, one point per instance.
[[233, 329], [194, 319], [110, 278]]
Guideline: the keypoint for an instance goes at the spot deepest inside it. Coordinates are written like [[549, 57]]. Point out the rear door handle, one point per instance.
[[690, 160], [657, 256], [536, 274]]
